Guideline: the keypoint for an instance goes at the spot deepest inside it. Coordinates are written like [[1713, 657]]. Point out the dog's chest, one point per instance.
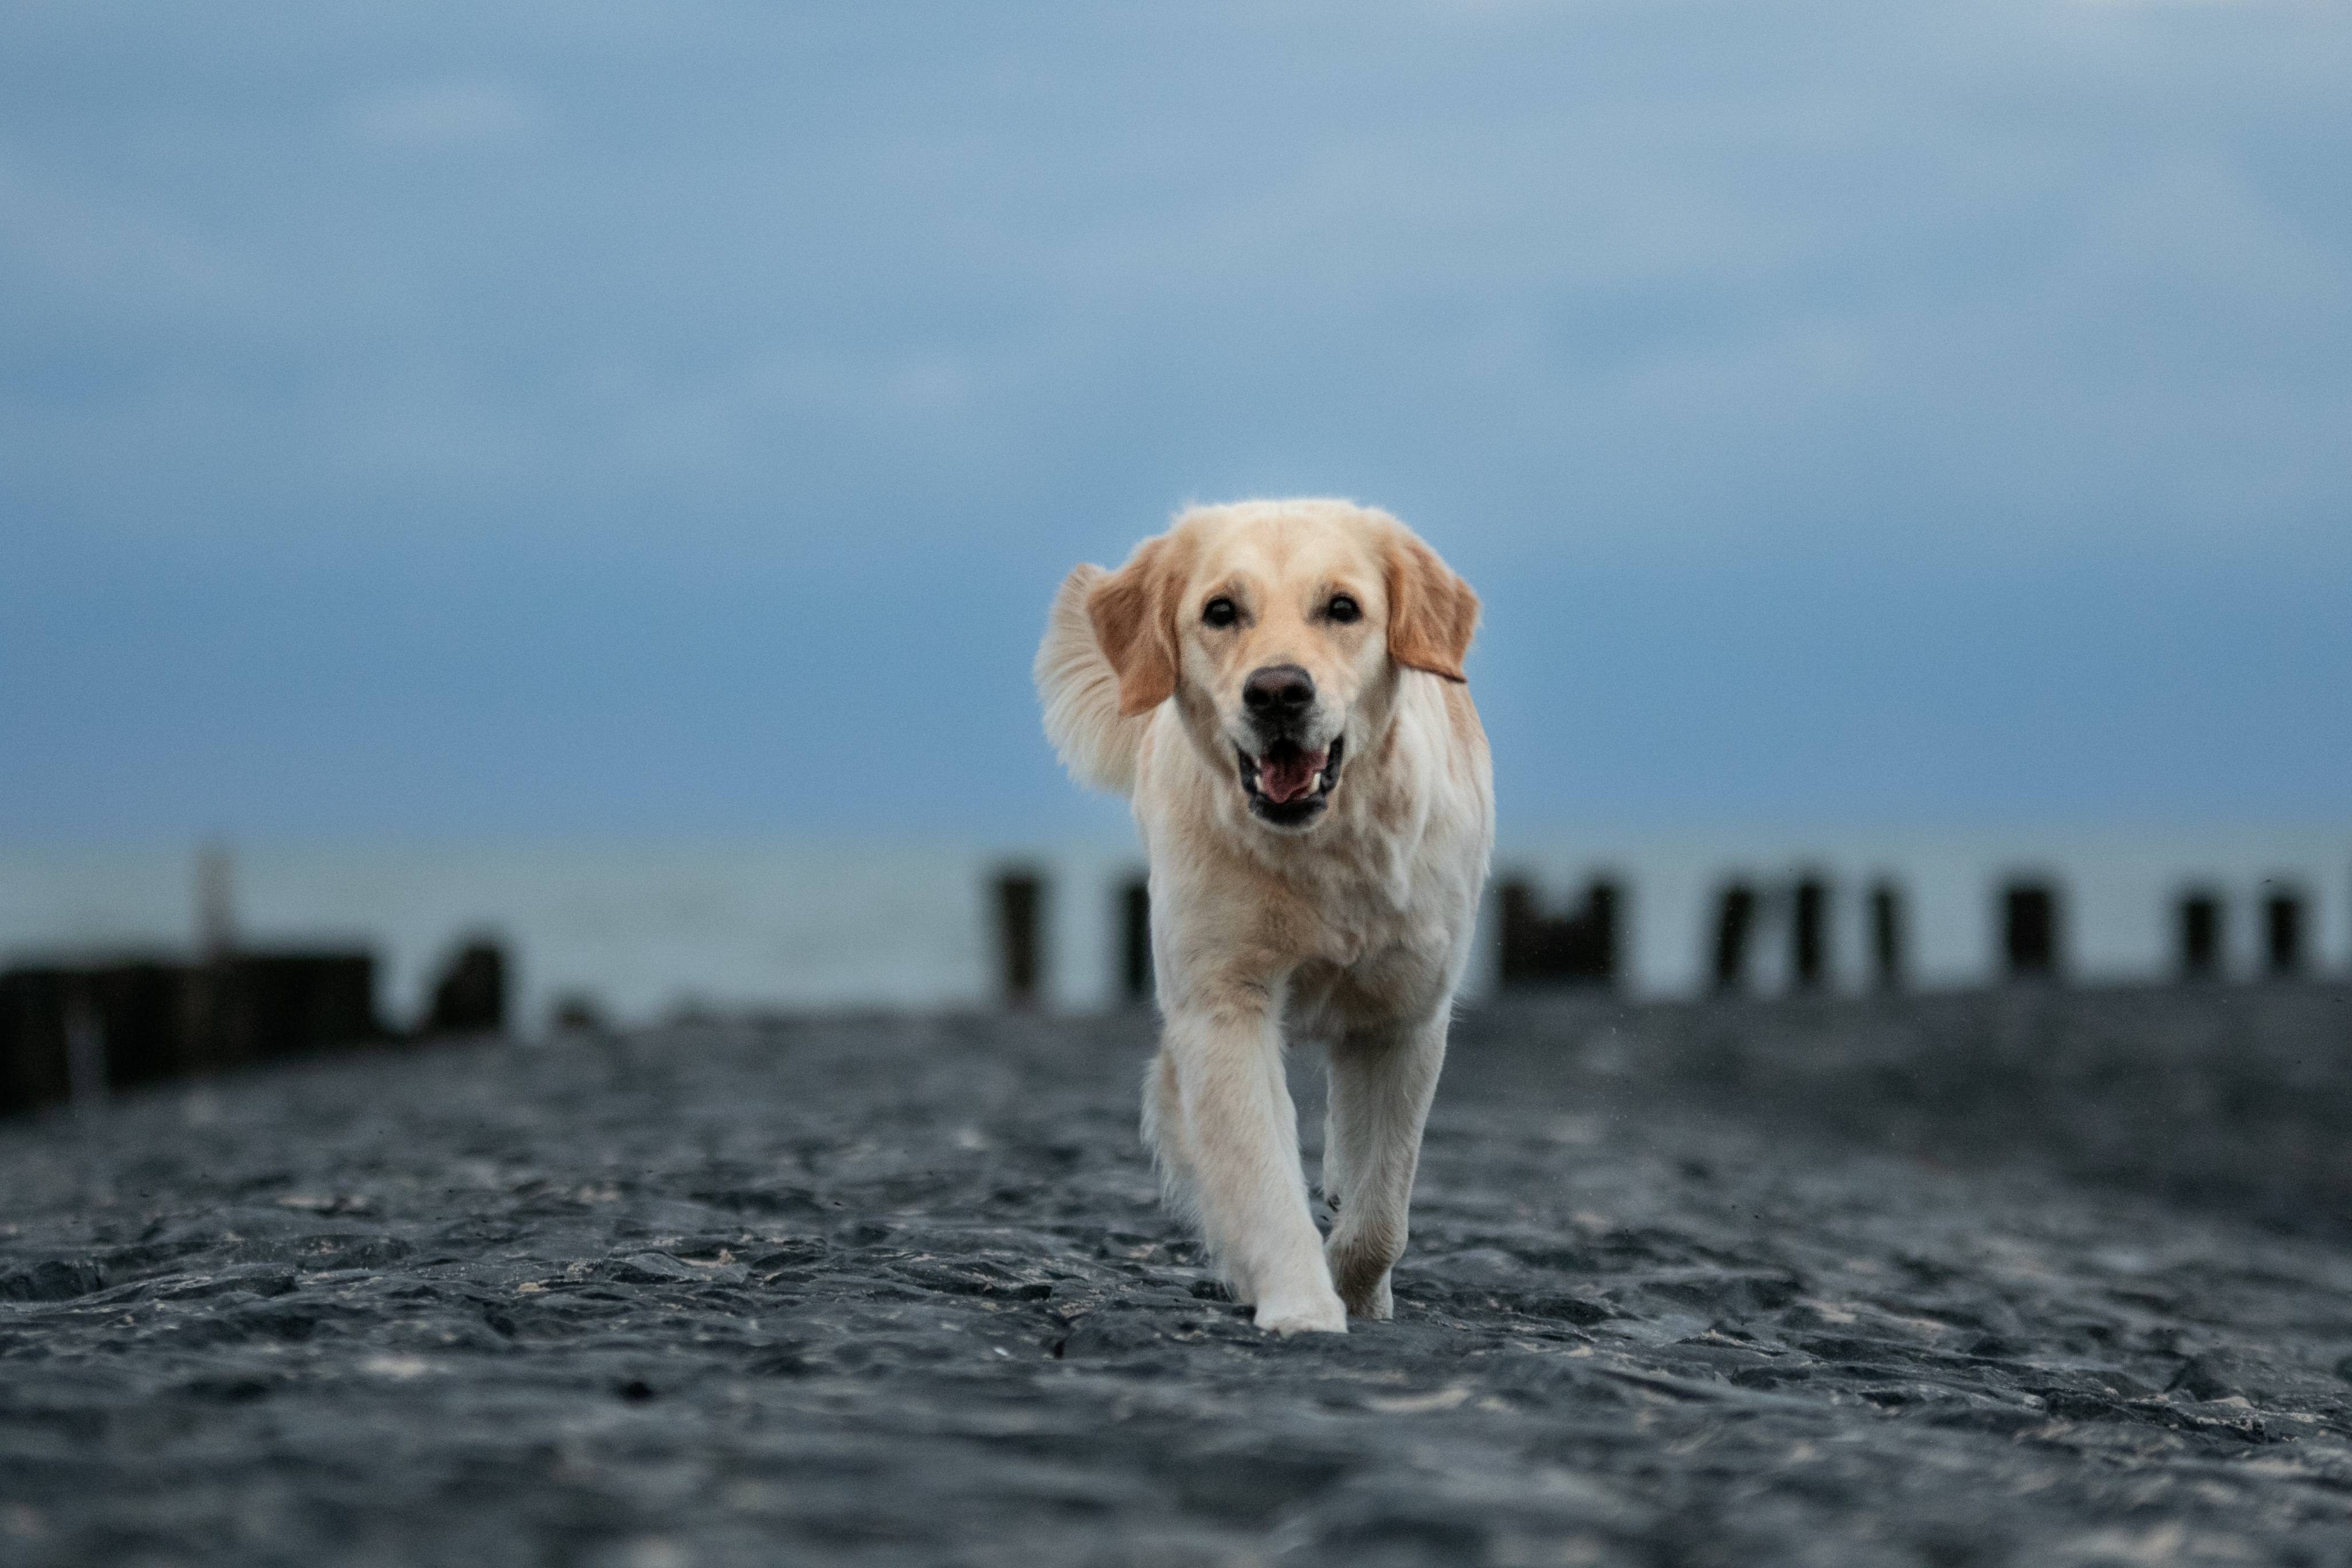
[[1382, 935], [1356, 913]]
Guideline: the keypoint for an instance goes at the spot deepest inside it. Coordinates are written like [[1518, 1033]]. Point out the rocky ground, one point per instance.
[[1938, 1283]]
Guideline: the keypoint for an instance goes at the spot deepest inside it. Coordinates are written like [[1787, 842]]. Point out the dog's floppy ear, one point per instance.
[[1134, 615], [1431, 612]]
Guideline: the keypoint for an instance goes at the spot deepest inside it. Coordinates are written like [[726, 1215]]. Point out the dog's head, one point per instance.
[[1282, 628]]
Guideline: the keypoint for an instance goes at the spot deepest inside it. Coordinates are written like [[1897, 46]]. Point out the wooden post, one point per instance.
[[1522, 934], [144, 1013], [2198, 922], [1809, 935], [1579, 949], [2029, 930], [2283, 941], [275, 1004], [1591, 944], [1135, 930], [1888, 958], [471, 996], [33, 1067], [1020, 946], [85, 1031], [1735, 920]]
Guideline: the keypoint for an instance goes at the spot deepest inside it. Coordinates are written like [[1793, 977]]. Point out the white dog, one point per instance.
[[1279, 686]]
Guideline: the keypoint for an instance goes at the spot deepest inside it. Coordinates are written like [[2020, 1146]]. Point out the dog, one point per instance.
[[1278, 686]]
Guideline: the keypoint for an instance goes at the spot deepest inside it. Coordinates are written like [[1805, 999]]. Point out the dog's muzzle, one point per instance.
[[1289, 785]]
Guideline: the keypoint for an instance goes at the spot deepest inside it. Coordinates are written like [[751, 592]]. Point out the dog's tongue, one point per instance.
[[1288, 777]]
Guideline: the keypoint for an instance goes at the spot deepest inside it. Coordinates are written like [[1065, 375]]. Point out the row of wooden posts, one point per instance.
[[76, 1032], [1584, 945]]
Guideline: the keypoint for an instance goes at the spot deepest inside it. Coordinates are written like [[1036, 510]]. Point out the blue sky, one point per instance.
[[582, 418]]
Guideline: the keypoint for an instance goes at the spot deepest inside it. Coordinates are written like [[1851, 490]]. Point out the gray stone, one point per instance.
[[901, 1291]]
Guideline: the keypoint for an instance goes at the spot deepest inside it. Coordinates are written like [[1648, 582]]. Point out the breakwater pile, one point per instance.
[[77, 1033], [643, 933]]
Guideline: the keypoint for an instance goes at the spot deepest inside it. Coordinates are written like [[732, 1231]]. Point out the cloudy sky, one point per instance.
[[579, 418]]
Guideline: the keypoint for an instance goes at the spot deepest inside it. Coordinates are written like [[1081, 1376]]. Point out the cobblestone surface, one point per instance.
[[892, 1292]]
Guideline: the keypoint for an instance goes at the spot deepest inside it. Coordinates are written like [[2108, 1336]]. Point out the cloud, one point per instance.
[[1644, 291], [95, 254], [434, 115]]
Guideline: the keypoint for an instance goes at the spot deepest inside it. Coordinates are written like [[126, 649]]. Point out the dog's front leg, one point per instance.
[[1241, 1148], [1382, 1080]]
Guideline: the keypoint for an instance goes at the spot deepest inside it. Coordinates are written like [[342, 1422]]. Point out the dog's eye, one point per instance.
[[1343, 610], [1219, 612]]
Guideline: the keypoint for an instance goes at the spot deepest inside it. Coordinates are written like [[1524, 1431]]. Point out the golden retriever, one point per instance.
[[1278, 685]]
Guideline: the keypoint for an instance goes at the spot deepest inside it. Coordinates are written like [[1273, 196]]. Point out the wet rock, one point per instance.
[[653, 1268], [2264, 1379], [52, 1279]]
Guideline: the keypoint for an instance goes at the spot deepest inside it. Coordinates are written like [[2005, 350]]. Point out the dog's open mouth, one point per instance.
[[1289, 785]]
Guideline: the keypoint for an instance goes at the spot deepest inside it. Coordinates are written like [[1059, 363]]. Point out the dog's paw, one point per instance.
[[1360, 1273], [1303, 1315]]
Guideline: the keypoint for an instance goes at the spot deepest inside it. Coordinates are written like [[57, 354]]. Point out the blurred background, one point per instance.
[[587, 478]]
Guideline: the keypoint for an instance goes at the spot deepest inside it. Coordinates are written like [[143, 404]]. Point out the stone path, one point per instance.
[[885, 1292]]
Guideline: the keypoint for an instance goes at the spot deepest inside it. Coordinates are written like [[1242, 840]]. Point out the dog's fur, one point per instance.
[[1337, 910]]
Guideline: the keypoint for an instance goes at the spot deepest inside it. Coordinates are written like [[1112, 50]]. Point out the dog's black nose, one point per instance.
[[1278, 691]]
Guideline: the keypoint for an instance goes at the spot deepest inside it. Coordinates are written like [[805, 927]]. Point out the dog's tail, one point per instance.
[[1079, 690]]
